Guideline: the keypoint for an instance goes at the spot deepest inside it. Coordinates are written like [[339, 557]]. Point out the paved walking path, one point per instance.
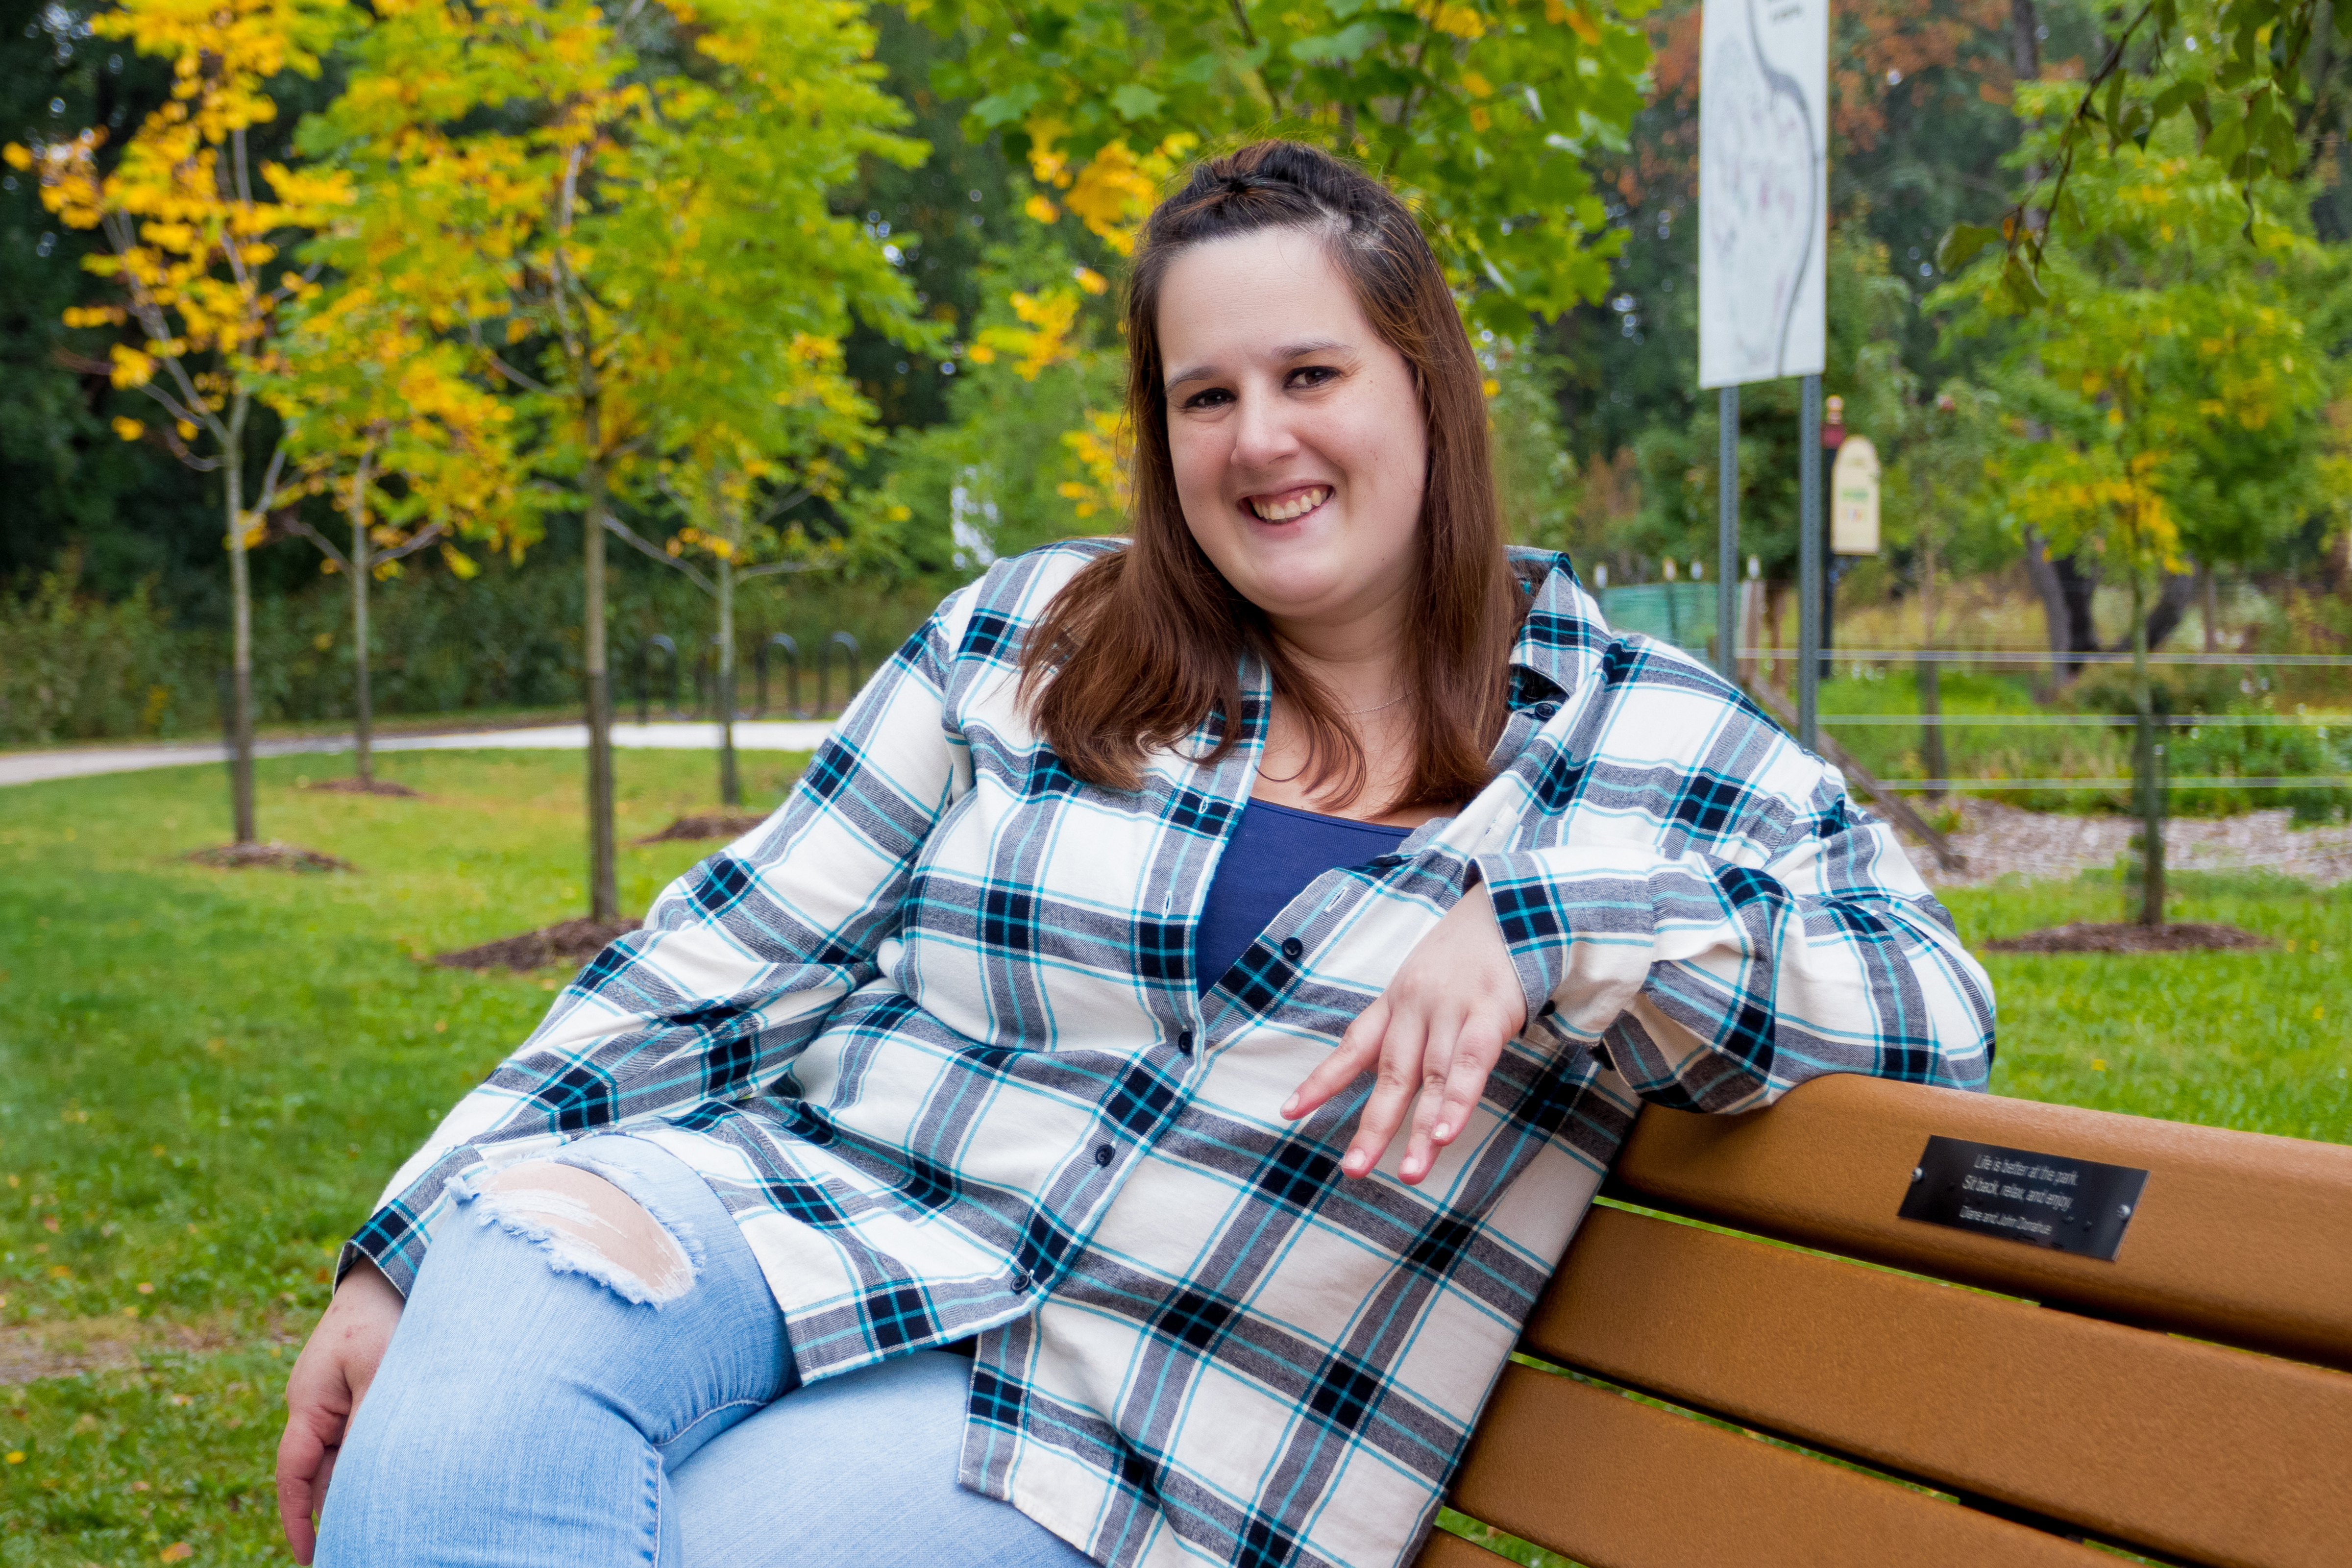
[[751, 735]]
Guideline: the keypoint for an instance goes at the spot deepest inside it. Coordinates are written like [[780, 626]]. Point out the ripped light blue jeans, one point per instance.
[[529, 1414]]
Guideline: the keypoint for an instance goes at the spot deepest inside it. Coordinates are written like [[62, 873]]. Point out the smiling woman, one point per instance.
[[1204, 979], [1311, 473]]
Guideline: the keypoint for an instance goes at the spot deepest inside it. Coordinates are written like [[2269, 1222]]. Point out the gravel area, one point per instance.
[[2000, 839]]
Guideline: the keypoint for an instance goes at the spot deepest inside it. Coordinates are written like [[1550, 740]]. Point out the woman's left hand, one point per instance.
[[1433, 1035]]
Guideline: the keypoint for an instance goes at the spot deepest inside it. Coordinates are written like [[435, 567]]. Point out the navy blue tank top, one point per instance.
[[1275, 851]]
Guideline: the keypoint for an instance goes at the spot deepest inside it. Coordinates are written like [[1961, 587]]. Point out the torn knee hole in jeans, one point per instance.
[[587, 1226]]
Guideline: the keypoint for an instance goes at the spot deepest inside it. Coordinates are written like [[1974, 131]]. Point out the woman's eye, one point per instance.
[[1312, 374], [1215, 397]]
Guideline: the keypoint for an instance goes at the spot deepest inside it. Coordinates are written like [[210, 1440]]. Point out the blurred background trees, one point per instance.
[[841, 290]]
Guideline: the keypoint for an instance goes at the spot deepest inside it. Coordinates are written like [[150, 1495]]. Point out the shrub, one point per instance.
[[73, 668]]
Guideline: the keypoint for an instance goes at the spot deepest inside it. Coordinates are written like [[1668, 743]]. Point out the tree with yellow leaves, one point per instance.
[[553, 183], [381, 415], [2172, 391], [194, 232]]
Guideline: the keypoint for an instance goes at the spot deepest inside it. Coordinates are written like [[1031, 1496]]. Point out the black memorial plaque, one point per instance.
[[2042, 1200]]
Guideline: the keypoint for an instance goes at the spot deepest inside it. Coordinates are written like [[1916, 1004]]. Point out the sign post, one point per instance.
[[1810, 595], [1763, 238], [1727, 533]]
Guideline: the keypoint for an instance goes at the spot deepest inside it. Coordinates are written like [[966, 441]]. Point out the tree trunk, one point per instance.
[[1931, 671], [604, 894], [730, 788], [2212, 610], [2171, 605], [2065, 606], [2024, 41], [363, 707], [2147, 765], [240, 595]]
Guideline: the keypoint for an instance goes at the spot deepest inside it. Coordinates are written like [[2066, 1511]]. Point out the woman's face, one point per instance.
[[1297, 434]]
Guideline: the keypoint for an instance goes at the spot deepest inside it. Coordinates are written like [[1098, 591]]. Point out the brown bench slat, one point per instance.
[[1444, 1551], [2238, 1237], [2186, 1448], [1617, 1484]]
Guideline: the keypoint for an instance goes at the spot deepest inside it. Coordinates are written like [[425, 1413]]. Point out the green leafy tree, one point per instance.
[[2174, 378], [2179, 389], [2259, 83], [1482, 111], [551, 180], [746, 427]]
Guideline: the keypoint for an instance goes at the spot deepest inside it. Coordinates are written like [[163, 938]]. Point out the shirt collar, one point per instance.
[[1564, 634]]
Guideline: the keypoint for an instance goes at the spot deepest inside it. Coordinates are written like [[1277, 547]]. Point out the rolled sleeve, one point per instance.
[[1716, 986]]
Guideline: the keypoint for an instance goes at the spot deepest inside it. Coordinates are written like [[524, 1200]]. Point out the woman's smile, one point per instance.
[[1287, 505]]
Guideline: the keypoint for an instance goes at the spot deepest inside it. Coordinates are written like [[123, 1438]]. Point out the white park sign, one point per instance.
[[1763, 189], [1854, 499]]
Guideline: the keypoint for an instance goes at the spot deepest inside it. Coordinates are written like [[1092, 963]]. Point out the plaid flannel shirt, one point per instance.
[[931, 1032]]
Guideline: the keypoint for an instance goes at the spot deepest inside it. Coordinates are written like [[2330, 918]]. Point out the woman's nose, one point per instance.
[[1264, 434]]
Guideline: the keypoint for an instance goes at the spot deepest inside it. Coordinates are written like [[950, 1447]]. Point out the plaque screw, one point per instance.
[[1918, 1172], [2123, 1211]]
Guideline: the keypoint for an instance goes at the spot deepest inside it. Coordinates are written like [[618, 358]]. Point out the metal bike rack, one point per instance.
[[849, 655], [791, 674], [655, 644]]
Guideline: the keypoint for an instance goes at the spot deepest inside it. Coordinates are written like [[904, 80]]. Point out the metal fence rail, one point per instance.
[[2216, 781], [2061, 720], [2025, 656]]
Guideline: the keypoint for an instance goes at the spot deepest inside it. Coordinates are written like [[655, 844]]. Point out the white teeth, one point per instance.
[[1306, 501]]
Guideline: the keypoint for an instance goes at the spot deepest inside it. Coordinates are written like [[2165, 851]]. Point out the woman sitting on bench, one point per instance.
[[1204, 979]]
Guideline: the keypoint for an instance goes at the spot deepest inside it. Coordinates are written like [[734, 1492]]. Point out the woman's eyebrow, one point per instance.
[[1282, 353]]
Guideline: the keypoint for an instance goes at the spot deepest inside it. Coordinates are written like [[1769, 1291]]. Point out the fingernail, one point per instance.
[[1442, 1131], [1290, 1105], [1412, 1168]]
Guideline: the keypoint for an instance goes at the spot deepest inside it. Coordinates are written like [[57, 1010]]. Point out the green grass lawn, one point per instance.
[[205, 1076]]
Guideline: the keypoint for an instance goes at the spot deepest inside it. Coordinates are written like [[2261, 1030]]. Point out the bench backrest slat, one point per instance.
[[2190, 1400], [2236, 1238], [1616, 1484], [2161, 1443]]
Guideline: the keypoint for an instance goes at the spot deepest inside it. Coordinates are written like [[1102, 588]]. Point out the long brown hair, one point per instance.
[[1143, 645]]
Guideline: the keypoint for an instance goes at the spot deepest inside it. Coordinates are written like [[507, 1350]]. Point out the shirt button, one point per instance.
[[1020, 1282], [1548, 1009], [1102, 1156], [1184, 1043], [1544, 712], [1292, 947]]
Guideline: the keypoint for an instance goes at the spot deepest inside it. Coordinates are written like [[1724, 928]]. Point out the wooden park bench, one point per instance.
[[1881, 1391]]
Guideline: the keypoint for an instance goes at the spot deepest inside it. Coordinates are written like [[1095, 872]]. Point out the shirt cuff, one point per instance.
[[1534, 924]]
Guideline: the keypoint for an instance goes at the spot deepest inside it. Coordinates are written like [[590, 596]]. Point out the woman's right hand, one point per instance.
[[323, 1391]]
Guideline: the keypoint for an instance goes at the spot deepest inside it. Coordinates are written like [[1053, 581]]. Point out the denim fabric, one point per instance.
[[526, 1414], [858, 1471]]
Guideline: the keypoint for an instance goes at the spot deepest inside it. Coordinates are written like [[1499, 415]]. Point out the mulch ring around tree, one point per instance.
[[349, 786], [712, 825], [282, 856], [2129, 936], [571, 941]]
